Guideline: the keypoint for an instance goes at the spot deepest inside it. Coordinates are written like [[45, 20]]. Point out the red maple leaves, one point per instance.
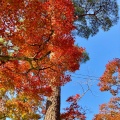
[[37, 46], [74, 111]]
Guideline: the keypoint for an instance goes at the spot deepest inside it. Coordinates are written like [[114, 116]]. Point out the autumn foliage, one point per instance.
[[36, 48], [109, 111], [110, 81], [111, 77], [74, 111]]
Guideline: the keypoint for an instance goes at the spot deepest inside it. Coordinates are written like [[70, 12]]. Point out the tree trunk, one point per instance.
[[53, 105]]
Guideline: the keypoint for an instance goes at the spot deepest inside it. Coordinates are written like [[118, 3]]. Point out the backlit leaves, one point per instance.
[[74, 111], [109, 111], [111, 77], [36, 49]]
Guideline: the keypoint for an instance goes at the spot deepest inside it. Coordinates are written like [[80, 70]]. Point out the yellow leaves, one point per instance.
[[21, 20], [1, 40], [15, 48], [24, 115], [2, 91], [34, 64], [14, 107], [20, 109]]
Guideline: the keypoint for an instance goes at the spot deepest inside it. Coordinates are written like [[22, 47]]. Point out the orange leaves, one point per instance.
[[63, 14], [11, 65], [68, 57], [109, 111], [28, 51], [23, 67], [36, 31], [42, 49], [17, 66], [13, 74], [110, 81], [110, 78], [21, 109]]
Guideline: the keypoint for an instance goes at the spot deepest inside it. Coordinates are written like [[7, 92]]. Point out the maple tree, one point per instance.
[[91, 16], [36, 49]]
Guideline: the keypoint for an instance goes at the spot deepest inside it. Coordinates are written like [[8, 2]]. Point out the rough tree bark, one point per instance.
[[53, 105]]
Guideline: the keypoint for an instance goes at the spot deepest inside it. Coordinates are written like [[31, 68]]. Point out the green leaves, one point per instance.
[[93, 15]]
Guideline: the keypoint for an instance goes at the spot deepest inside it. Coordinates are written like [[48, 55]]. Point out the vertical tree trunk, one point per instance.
[[53, 105]]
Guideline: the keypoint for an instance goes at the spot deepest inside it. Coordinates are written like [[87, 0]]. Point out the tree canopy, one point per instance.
[[37, 47], [94, 15]]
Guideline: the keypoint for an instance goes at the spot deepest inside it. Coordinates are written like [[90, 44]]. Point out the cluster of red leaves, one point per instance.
[[74, 111], [111, 77], [109, 111]]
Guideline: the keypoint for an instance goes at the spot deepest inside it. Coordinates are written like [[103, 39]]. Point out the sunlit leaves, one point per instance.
[[109, 111], [110, 81], [111, 77], [38, 49], [19, 107]]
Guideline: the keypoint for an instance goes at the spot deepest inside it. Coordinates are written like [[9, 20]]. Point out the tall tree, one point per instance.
[[53, 102], [37, 47], [90, 17]]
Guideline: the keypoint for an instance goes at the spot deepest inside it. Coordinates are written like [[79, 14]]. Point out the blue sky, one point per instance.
[[103, 47]]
